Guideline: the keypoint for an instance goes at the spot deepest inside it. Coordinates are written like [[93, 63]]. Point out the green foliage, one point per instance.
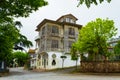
[[19, 8], [23, 41], [74, 54], [94, 36], [9, 59], [89, 2], [117, 49], [9, 33], [21, 57]]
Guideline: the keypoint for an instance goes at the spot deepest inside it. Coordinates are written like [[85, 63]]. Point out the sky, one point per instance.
[[57, 8]]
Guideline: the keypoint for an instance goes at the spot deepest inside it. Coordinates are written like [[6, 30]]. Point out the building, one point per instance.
[[32, 55], [54, 40], [112, 42]]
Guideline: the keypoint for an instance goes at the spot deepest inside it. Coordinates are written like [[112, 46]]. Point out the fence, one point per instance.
[[100, 66]]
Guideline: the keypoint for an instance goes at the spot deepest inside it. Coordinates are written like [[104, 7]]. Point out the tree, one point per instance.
[[117, 50], [74, 54], [19, 8], [22, 42], [89, 2], [21, 57], [9, 33], [94, 36]]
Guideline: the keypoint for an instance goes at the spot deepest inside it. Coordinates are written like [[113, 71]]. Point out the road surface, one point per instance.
[[20, 74]]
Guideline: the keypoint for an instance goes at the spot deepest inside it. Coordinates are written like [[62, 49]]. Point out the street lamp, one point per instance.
[[63, 58]]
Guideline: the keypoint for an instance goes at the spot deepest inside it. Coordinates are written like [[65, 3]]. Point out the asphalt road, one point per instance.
[[20, 74]]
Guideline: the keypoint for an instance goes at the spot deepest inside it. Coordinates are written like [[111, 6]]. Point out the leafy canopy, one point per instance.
[[73, 51], [19, 8], [94, 36], [8, 36], [117, 49], [89, 2], [21, 57], [9, 33]]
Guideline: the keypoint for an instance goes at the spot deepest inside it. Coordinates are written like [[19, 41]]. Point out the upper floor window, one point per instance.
[[71, 31], [54, 44], [43, 30], [70, 20], [55, 29]]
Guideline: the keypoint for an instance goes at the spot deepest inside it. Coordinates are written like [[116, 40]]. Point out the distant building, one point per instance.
[[54, 40], [112, 42], [32, 55]]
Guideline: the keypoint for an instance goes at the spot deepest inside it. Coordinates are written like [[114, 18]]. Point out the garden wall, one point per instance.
[[100, 66]]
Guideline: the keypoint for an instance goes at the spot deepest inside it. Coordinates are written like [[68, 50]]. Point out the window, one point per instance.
[[70, 20], [70, 44], [71, 31], [39, 56], [53, 62], [55, 29], [54, 44], [67, 19]]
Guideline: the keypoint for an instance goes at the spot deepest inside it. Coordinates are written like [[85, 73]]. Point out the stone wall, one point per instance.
[[100, 66]]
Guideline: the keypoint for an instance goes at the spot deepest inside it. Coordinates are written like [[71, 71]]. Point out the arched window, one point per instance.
[[54, 60]]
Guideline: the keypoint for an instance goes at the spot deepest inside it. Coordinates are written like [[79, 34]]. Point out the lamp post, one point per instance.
[[63, 58]]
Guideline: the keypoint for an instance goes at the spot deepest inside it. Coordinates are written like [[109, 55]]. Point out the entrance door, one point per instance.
[[45, 60]]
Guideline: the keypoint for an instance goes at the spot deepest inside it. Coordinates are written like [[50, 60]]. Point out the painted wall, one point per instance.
[[67, 62]]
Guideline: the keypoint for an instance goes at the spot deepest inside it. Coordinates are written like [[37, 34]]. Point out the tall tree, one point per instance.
[[94, 36], [89, 2], [8, 36], [9, 33]]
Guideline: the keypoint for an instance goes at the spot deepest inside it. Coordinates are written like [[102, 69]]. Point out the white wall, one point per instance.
[[67, 62]]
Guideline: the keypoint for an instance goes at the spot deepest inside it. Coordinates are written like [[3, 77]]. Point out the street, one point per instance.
[[20, 74]]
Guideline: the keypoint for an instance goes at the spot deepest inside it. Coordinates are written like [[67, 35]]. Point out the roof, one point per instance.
[[65, 16], [56, 22], [31, 51]]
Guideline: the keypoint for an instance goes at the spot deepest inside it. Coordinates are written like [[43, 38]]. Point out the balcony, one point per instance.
[[37, 38], [71, 36], [55, 35]]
